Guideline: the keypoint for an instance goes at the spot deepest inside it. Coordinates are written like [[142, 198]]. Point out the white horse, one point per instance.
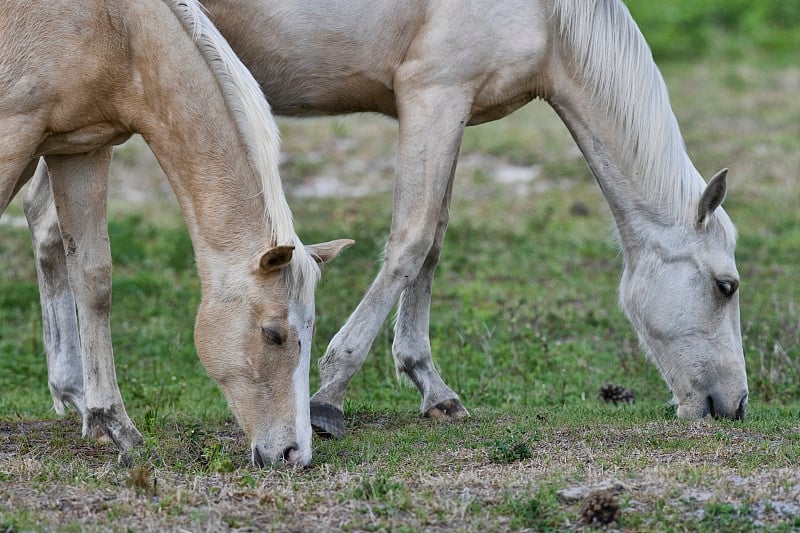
[[78, 76], [439, 66]]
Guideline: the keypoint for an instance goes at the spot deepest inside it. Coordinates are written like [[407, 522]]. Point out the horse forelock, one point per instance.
[[259, 133], [611, 56]]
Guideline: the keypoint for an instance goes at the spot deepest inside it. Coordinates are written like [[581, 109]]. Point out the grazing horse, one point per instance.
[[439, 66], [78, 76]]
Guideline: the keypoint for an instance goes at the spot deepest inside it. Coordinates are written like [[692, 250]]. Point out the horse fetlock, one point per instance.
[[63, 398], [336, 369]]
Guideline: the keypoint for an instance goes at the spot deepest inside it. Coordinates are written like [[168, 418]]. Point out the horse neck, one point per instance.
[[196, 116], [612, 98]]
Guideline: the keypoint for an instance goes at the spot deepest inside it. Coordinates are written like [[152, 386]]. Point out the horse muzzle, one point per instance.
[[718, 409], [291, 455], [716, 406]]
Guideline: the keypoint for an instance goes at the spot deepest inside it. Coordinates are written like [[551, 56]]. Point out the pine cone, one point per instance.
[[616, 393], [600, 508]]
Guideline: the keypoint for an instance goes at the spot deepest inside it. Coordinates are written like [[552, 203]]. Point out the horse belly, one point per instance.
[[320, 57], [355, 94]]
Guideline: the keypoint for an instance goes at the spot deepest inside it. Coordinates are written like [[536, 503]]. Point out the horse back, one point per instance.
[[317, 57]]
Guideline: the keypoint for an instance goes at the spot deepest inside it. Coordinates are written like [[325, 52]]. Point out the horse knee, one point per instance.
[[48, 248], [95, 287], [404, 257]]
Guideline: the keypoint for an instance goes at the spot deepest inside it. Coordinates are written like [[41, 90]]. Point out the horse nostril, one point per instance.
[[290, 453], [723, 410], [742, 408], [257, 459], [711, 409]]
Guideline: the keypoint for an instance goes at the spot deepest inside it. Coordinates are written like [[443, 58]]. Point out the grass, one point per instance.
[[525, 326], [727, 29]]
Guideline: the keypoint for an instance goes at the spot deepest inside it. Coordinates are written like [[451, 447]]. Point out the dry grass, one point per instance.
[[676, 469]]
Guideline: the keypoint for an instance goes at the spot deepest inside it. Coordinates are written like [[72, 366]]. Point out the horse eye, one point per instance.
[[272, 336], [727, 286]]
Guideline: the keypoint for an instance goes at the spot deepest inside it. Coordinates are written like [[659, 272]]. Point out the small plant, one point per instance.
[[377, 488], [247, 480], [141, 480], [217, 459], [727, 516], [537, 511], [516, 447]]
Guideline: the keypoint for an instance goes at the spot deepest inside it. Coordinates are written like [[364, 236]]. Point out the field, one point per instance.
[[525, 327]]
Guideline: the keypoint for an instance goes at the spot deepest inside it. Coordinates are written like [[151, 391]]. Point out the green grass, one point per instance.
[[525, 326], [730, 29]]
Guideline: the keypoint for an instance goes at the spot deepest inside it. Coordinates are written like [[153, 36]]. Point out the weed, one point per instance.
[[515, 446], [217, 459], [539, 511], [142, 480], [247, 480], [378, 487]]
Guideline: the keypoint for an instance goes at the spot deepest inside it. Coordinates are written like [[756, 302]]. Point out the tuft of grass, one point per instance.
[[538, 511], [378, 487], [516, 446]]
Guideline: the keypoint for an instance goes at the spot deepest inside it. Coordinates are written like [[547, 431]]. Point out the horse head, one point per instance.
[[255, 341], [680, 291]]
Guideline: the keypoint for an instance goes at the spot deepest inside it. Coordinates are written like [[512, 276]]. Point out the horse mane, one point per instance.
[[259, 132], [619, 75]]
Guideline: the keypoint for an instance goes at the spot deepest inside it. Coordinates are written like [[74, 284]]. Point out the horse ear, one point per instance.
[[275, 258], [325, 251], [712, 197]]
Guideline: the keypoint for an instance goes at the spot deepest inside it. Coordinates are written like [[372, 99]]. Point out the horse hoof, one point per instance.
[[447, 410], [327, 420]]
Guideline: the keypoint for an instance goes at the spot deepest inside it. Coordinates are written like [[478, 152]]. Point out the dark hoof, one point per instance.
[[447, 410], [327, 420]]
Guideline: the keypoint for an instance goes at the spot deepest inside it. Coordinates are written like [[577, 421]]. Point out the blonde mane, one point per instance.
[[259, 132], [619, 75]]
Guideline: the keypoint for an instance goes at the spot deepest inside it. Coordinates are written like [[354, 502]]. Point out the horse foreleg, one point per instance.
[[412, 347], [80, 187], [59, 321], [432, 123]]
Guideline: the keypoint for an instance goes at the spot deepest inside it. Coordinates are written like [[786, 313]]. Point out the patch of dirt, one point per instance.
[[44, 458]]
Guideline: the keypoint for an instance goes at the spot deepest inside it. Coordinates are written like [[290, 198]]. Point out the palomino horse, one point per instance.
[[439, 66], [79, 76]]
